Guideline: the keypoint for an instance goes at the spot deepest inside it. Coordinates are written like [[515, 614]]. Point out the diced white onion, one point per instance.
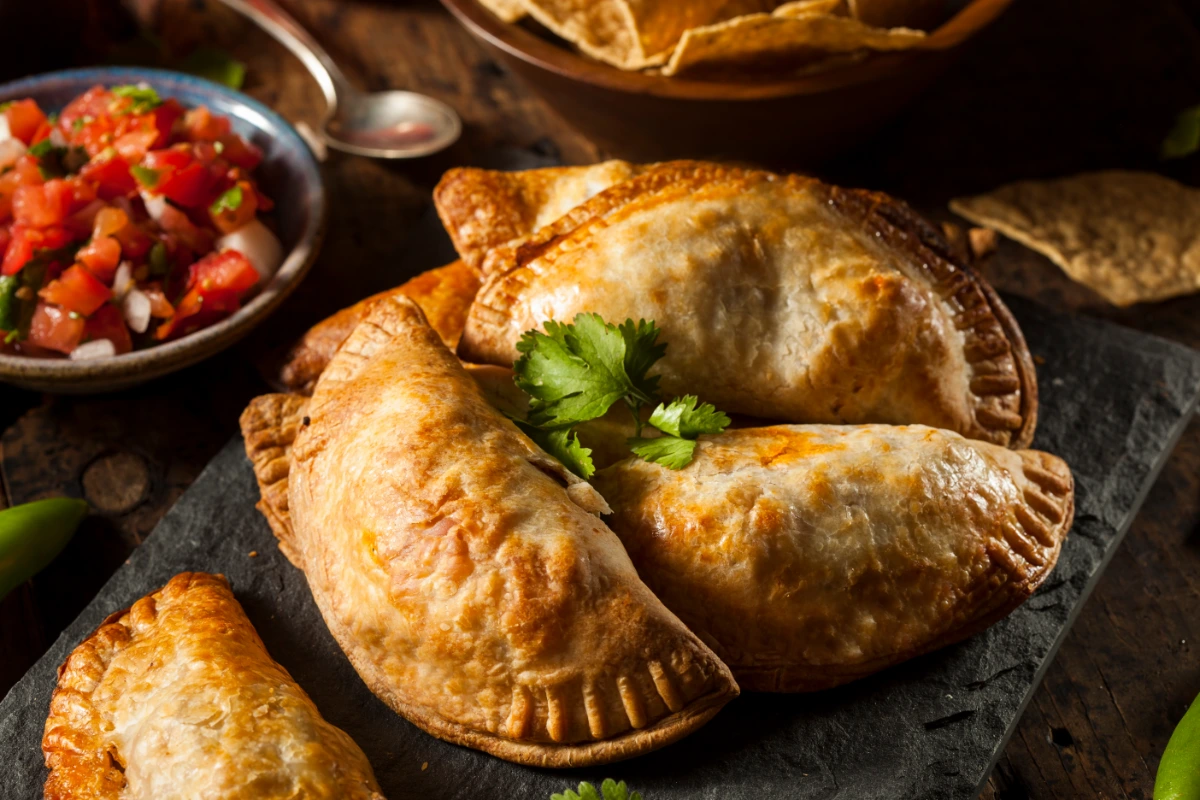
[[5, 131], [256, 242], [155, 205], [97, 348], [10, 149], [57, 139], [122, 279], [135, 306]]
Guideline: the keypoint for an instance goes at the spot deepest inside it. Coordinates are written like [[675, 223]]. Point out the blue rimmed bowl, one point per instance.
[[289, 174]]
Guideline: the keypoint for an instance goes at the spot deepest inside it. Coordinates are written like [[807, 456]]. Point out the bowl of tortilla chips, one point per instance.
[[793, 81]]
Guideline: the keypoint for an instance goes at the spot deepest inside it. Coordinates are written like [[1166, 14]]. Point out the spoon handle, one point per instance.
[[279, 24]]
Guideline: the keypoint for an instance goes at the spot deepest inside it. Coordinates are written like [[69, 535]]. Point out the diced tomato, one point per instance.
[[160, 306], [107, 323], [200, 125], [27, 172], [108, 222], [239, 152], [177, 222], [229, 220], [42, 206], [92, 104], [229, 271], [191, 186], [18, 253], [165, 117], [101, 257], [172, 158], [55, 328], [134, 241], [134, 145], [43, 132], [24, 118], [111, 176], [9, 182], [5, 238], [76, 290]]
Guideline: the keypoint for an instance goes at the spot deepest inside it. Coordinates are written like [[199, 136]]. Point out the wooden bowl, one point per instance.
[[794, 120], [288, 173]]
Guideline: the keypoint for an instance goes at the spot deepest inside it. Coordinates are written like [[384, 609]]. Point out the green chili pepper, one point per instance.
[[1179, 771], [9, 303], [32, 534]]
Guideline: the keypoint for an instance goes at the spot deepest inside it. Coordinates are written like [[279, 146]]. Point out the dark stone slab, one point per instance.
[[1113, 403]]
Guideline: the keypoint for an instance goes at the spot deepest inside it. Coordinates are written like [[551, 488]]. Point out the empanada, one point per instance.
[[444, 294], [482, 209], [459, 566], [176, 697], [808, 556], [779, 297]]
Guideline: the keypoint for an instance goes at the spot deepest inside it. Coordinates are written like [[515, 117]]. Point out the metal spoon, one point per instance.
[[380, 124]]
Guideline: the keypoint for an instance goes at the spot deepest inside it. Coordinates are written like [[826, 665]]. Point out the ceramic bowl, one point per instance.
[[289, 174], [794, 121]]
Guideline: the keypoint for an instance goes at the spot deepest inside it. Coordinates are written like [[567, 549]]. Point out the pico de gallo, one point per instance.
[[125, 220]]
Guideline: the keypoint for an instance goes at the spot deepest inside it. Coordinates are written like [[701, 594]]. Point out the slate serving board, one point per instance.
[[1113, 403]]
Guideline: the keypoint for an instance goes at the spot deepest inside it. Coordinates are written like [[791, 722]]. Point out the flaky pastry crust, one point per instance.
[[808, 556], [461, 568], [177, 697], [483, 209], [780, 297], [445, 294]]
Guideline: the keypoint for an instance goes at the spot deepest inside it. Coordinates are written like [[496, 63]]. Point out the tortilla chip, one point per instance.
[[924, 14], [507, 10], [634, 34], [1130, 236], [775, 42]]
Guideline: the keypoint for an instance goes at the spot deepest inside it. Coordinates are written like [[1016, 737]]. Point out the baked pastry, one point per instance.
[[780, 297], [808, 556], [482, 209], [463, 570], [444, 294], [177, 697]]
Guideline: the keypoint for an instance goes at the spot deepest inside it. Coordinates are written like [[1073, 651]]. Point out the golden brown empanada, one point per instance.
[[444, 294], [482, 209], [461, 568], [176, 697], [779, 297], [808, 556]]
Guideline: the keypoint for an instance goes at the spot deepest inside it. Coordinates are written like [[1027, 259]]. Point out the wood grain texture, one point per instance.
[[1056, 86]]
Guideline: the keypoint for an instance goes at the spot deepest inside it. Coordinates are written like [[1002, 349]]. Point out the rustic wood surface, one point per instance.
[[1055, 86]]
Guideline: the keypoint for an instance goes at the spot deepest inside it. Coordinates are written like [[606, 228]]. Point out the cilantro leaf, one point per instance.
[[642, 351], [145, 175], [231, 200], [683, 418], [610, 789], [672, 452], [144, 99], [563, 444], [215, 65], [1184, 138], [574, 372]]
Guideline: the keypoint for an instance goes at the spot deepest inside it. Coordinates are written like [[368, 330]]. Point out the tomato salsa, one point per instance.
[[125, 220]]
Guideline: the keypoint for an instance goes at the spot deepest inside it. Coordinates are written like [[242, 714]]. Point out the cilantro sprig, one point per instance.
[[609, 790], [1184, 137], [576, 372]]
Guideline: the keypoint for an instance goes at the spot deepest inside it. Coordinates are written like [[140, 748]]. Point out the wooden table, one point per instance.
[[1055, 86]]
